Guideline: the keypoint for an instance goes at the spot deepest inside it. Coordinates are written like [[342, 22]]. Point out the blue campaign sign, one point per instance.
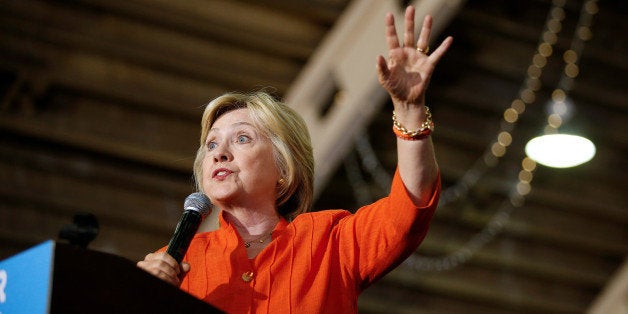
[[25, 280]]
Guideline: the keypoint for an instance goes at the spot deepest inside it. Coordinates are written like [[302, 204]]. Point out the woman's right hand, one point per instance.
[[165, 267]]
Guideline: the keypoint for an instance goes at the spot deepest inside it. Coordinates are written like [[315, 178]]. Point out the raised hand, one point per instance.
[[409, 68]]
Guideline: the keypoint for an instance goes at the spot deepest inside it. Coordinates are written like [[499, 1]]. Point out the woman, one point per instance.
[[255, 164]]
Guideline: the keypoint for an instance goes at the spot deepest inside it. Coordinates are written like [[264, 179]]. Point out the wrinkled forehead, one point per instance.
[[247, 116], [239, 116], [227, 108]]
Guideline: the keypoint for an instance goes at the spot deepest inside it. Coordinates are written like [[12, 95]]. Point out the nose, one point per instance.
[[221, 153]]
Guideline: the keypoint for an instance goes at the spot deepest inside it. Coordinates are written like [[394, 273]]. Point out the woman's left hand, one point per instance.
[[409, 68]]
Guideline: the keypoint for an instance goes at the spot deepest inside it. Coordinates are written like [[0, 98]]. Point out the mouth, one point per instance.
[[221, 173]]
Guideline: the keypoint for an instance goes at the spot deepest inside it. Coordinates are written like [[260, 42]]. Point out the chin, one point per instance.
[[221, 195]]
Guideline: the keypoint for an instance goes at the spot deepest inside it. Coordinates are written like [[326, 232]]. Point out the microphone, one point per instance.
[[195, 209]]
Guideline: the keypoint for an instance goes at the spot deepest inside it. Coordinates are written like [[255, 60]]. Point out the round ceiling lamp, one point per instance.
[[560, 150]]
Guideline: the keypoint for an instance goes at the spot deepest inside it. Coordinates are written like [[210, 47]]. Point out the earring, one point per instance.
[[281, 181]]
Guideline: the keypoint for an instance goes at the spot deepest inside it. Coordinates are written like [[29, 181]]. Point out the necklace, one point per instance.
[[258, 240]]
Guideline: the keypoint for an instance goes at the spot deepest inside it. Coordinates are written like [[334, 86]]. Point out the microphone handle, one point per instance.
[[183, 234]]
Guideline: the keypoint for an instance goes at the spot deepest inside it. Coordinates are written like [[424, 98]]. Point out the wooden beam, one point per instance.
[[495, 290], [227, 21], [614, 298]]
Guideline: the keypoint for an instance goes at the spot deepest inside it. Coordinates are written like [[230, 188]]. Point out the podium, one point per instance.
[[59, 278]]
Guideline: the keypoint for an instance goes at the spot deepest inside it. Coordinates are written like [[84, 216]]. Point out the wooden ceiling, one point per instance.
[[101, 102]]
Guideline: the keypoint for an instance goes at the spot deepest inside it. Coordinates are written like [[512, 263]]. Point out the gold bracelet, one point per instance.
[[426, 128]]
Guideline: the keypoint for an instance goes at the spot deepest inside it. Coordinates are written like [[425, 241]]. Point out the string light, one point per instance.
[[566, 150], [527, 95], [497, 148]]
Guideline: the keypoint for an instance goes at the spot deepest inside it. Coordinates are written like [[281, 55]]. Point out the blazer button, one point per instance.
[[247, 276]]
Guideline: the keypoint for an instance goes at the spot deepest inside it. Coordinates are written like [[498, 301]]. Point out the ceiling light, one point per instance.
[[560, 150]]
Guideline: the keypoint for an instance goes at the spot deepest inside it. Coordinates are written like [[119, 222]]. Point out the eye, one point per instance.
[[243, 139], [211, 145]]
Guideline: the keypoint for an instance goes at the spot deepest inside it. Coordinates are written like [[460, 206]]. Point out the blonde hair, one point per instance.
[[292, 148]]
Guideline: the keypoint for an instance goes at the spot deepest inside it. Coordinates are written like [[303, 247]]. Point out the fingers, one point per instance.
[[391, 32], [185, 267], [382, 69], [163, 266], [408, 35], [408, 39], [424, 35], [440, 51]]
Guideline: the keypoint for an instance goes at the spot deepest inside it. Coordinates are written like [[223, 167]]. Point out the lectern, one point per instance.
[[59, 278]]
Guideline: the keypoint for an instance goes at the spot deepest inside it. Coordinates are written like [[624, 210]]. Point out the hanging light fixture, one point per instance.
[[560, 150], [555, 149]]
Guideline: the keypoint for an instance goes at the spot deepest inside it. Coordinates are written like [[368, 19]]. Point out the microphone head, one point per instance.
[[197, 202]]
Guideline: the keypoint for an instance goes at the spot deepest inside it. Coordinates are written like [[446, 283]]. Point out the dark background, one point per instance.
[[101, 102]]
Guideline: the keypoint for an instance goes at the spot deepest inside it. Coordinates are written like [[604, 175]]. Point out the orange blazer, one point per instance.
[[318, 263]]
